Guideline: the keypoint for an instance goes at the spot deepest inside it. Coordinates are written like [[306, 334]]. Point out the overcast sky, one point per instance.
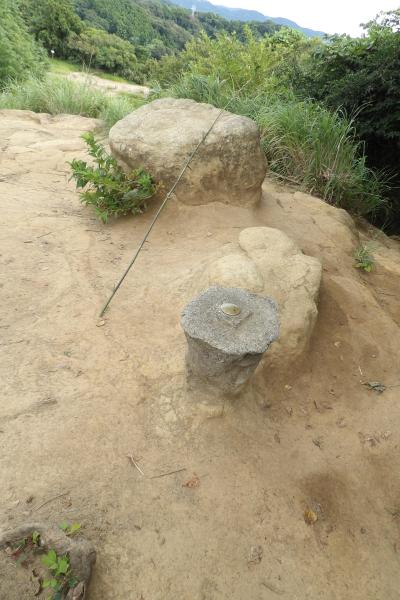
[[335, 16]]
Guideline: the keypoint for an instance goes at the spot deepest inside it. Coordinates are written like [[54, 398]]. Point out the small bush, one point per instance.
[[102, 50], [108, 188], [364, 258], [58, 95]]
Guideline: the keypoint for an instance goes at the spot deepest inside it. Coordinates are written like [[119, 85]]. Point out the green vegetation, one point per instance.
[[362, 76], [102, 50], [58, 95], [126, 37], [19, 55], [363, 258], [61, 579], [317, 149], [107, 187], [51, 22], [302, 94], [62, 67], [70, 529]]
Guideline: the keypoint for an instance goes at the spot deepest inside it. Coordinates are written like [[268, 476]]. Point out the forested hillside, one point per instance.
[[243, 14], [122, 36]]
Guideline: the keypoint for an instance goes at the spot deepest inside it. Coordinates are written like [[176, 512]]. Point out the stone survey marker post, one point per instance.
[[227, 331]]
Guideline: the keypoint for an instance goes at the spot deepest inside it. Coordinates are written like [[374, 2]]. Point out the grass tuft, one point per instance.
[[58, 95]]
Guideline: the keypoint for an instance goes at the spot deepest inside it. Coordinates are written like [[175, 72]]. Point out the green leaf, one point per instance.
[[75, 527], [35, 537], [107, 187], [63, 565], [50, 560], [50, 583], [64, 525]]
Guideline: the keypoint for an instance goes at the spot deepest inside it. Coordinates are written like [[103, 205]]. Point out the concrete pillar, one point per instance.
[[227, 331]]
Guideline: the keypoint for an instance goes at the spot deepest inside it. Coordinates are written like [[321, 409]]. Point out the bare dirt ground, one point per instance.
[[113, 87], [78, 396]]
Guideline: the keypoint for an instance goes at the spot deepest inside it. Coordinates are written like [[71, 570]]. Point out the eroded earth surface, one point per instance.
[[80, 394]]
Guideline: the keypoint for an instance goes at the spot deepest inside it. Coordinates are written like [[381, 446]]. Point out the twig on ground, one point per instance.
[[133, 461], [272, 588], [51, 500], [169, 473], [44, 234]]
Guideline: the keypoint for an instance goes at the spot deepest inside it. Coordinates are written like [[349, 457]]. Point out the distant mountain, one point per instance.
[[242, 14]]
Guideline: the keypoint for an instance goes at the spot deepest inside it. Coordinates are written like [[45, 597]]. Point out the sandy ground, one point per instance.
[[114, 87], [78, 396]]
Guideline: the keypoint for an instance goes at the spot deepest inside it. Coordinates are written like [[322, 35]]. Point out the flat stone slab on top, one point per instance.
[[252, 330], [228, 330]]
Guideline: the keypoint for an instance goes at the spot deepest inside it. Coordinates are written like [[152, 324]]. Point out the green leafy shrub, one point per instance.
[[362, 76], [363, 73], [20, 56], [61, 579], [364, 258], [108, 188], [103, 50], [51, 22], [268, 63]]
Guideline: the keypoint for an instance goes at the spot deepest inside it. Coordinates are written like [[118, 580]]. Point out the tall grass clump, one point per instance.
[[58, 95], [305, 143], [318, 150]]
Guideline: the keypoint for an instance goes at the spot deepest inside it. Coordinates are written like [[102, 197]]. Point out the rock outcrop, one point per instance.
[[229, 166], [270, 263]]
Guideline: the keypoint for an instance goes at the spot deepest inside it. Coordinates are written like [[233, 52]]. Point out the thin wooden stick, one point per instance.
[[50, 500], [169, 473]]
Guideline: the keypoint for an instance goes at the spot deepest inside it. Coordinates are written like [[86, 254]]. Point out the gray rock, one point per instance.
[[270, 263], [228, 330], [229, 167]]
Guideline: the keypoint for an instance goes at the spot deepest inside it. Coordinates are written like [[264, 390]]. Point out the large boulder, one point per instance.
[[269, 263], [229, 166]]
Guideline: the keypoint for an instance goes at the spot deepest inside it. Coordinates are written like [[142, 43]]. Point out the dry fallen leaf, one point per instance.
[[310, 516], [194, 482]]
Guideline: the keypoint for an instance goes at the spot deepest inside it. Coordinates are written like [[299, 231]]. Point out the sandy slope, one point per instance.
[[77, 398]]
